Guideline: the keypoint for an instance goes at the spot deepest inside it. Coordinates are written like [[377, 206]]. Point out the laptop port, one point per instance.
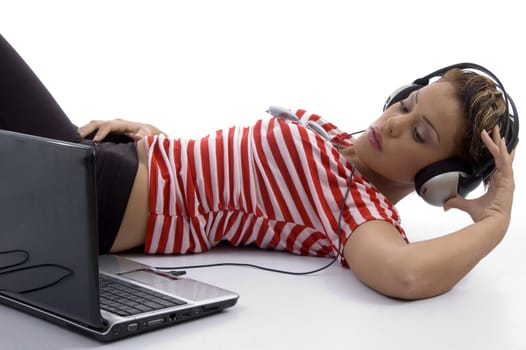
[[196, 311], [211, 308], [155, 322], [116, 330], [133, 327]]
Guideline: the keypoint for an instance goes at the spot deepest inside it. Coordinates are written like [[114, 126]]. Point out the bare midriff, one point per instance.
[[132, 232]]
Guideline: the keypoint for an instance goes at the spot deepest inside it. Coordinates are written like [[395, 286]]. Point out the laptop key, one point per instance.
[[125, 299]]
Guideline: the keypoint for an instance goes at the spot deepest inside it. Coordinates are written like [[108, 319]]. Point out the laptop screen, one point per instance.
[[48, 228]]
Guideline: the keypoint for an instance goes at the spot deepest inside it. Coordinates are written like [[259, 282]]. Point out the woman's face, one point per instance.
[[422, 129]]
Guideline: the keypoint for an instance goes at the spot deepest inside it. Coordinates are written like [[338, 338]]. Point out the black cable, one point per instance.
[[50, 284], [338, 254], [24, 259]]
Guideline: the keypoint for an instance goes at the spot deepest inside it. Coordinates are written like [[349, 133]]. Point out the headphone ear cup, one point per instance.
[[445, 179], [400, 94]]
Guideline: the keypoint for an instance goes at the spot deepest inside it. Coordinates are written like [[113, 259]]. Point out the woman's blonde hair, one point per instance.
[[484, 107]]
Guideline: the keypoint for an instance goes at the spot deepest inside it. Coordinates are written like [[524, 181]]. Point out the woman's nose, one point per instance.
[[396, 125]]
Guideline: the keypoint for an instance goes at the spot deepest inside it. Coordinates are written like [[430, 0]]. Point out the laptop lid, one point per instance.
[[48, 233], [49, 263]]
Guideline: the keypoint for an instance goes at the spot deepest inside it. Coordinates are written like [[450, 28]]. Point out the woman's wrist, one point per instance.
[[493, 228]]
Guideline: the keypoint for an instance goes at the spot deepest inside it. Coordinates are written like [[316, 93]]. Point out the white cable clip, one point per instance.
[[281, 112]]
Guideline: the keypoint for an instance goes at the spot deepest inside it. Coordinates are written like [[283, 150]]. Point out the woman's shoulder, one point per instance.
[[371, 204]]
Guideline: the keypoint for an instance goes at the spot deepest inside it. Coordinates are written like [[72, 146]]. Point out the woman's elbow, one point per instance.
[[407, 285], [397, 276], [410, 282]]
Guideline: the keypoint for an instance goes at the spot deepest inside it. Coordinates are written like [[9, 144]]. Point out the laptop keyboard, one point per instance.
[[126, 299]]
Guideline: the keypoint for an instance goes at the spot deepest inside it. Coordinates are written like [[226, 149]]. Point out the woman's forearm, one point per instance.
[[434, 266]]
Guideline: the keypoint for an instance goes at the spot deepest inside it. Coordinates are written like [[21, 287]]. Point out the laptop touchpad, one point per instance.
[[178, 287]]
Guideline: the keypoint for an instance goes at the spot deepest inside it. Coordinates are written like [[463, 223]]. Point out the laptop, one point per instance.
[[49, 261]]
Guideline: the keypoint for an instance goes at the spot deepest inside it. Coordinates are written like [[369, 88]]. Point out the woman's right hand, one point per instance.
[[497, 201], [102, 128]]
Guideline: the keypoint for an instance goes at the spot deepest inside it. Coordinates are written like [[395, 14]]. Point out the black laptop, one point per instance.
[[49, 262]]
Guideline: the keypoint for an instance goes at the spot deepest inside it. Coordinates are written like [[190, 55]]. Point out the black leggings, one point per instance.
[[26, 106]]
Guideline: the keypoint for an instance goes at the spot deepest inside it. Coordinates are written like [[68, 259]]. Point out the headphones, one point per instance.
[[448, 178]]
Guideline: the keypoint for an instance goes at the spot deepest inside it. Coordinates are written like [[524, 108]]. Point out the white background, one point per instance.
[[191, 67]]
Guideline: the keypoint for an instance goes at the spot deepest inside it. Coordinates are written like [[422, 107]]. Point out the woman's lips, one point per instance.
[[374, 137]]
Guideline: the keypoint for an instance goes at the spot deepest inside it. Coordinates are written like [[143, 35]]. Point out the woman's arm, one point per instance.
[[102, 128], [382, 260]]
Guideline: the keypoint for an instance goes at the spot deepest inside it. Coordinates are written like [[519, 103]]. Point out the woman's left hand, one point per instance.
[[498, 200]]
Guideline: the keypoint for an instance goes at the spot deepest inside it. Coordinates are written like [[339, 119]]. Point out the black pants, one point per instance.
[[26, 106]]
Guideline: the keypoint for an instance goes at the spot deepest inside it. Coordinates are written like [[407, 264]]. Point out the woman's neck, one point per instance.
[[394, 191]]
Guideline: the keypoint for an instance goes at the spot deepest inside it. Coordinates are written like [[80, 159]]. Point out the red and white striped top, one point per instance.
[[276, 184]]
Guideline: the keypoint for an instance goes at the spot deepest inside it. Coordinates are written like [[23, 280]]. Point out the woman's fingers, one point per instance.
[[498, 149], [102, 128], [89, 128]]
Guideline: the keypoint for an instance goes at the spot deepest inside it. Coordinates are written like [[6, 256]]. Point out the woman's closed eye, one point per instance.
[[403, 107], [418, 136]]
